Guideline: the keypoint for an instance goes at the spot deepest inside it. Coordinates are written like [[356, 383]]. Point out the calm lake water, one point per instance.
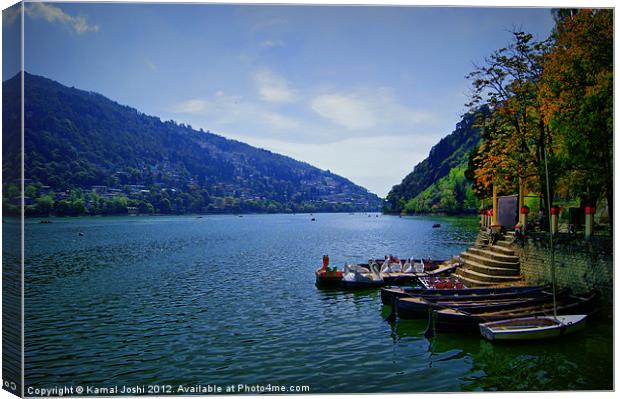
[[231, 300]]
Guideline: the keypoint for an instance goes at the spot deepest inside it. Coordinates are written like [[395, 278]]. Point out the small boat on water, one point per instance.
[[326, 276], [357, 276], [469, 320], [436, 226], [387, 269], [387, 293], [532, 328], [418, 307]]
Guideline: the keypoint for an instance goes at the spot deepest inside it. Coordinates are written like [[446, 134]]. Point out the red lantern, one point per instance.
[[590, 210], [525, 210], [555, 210]]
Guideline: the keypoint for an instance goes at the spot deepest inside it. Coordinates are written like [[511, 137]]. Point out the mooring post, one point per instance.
[[523, 217], [555, 212], [494, 215]]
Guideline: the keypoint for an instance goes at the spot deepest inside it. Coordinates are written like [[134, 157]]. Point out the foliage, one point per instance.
[[577, 91], [450, 194], [443, 157], [515, 137], [550, 99]]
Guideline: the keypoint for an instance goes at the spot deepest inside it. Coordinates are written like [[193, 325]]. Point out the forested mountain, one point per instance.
[[88, 154], [437, 183]]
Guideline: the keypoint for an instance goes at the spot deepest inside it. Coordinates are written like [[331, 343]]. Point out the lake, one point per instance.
[[221, 300]]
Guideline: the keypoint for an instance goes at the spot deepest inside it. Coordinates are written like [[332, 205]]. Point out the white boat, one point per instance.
[[359, 276], [532, 328], [391, 265]]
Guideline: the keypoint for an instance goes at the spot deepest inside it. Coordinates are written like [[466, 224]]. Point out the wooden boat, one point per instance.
[[418, 307], [461, 320], [388, 293], [532, 328]]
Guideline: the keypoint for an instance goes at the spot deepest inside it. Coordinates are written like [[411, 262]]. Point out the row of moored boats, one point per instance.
[[498, 313]]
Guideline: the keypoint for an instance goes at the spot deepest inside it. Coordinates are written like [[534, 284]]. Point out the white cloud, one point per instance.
[[273, 88], [222, 109], [54, 14], [280, 121], [364, 109], [344, 110], [192, 106]]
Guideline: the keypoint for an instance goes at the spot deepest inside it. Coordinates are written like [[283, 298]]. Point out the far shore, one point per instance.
[[240, 214]]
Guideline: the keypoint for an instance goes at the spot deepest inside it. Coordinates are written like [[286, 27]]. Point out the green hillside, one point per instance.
[[86, 154], [437, 184], [450, 194]]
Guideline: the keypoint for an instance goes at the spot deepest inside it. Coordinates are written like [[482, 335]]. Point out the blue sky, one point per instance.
[[362, 91]]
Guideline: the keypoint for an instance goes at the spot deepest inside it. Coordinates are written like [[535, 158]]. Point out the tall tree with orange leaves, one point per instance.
[[514, 137], [576, 93]]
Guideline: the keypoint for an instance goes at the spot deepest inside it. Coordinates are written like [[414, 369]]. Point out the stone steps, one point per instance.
[[490, 265], [500, 256], [500, 248], [491, 261], [486, 278], [492, 271], [471, 283]]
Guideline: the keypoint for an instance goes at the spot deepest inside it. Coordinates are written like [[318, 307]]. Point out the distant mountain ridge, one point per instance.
[[443, 169], [80, 141]]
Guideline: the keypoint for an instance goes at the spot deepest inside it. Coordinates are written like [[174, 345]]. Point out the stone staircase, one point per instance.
[[487, 265]]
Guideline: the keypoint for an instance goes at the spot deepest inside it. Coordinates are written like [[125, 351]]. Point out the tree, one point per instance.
[[45, 204], [515, 137], [577, 93]]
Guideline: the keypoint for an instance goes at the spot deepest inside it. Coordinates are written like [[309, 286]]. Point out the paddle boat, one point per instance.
[[357, 276], [326, 276]]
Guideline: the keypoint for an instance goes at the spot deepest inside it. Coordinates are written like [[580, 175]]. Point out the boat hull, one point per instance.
[[324, 279], [362, 284], [532, 328], [418, 307], [451, 320], [387, 294]]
